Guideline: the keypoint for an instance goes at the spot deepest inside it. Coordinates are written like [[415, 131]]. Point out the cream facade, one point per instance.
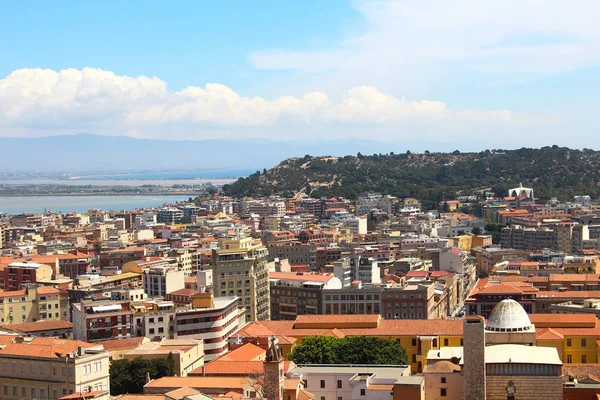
[[45, 368], [240, 269]]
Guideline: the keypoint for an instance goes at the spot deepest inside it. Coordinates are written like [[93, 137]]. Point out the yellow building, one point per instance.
[[463, 242], [32, 304], [575, 336], [416, 336]]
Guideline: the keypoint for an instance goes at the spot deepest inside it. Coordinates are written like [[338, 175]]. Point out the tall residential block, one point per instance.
[[240, 269]]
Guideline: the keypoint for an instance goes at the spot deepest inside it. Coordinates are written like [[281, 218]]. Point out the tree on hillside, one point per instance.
[[349, 350]]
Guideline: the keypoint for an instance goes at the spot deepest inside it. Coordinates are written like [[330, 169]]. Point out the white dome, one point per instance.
[[508, 316]]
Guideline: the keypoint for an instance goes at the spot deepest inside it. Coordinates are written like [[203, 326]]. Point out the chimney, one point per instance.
[[80, 351], [474, 374]]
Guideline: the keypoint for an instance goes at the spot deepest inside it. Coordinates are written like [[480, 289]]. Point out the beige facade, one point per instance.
[[47, 368], [240, 269], [188, 354], [32, 304]]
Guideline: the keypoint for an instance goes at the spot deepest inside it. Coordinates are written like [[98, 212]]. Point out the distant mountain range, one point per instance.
[[86, 152], [551, 171]]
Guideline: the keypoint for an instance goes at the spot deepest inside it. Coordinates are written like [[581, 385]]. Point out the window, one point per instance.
[[569, 342], [362, 392], [443, 380], [5, 389], [42, 393], [414, 342], [569, 359], [339, 384], [583, 342], [32, 392], [322, 384], [583, 359], [322, 397], [24, 391], [339, 397], [41, 369], [15, 391], [14, 367], [443, 392], [23, 367], [445, 342], [414, 358], [461, 341]]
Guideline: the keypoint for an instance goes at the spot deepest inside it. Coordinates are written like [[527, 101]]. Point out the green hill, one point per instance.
[[552, 172]]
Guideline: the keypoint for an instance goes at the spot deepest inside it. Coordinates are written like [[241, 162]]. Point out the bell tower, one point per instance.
[[273, 371]]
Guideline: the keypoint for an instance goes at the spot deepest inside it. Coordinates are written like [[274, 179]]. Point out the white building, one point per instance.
[[213, 320], [160, 280], [353, 382]]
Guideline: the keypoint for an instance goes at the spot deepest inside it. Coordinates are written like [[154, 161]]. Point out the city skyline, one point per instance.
[[387, 71]]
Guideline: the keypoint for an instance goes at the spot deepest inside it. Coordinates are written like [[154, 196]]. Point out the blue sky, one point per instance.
[[524, 72]]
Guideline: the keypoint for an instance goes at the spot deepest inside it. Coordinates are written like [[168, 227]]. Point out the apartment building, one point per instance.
[[162, 280], [96, 320], [120, 257], [240, 269], [354, 299], [49, 368], [296, 253], [212, 319], [169, 215], [295, 294], [33, 304], [18, 274], [412, 301]]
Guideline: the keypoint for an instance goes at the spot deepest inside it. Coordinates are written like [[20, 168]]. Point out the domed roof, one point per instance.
[[508, 316]]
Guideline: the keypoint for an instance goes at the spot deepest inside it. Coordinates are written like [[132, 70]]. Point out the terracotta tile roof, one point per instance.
[[332, 321], [247, 352], [548, 334], [184, 292], [386, 327], [14, 293], [199, 382], [421, 274], [47, 290], [121, 344], [218, 367], [181, 392], [38, 326], [140, 397], [550, 320], [574, 277], [582, 372], [44, 348]]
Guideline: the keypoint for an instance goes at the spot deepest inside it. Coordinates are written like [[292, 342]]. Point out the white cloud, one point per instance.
[[35, 102], [411, 41]]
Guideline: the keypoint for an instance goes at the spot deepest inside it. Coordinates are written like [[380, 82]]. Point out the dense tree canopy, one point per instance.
[[129, 376], [552, 172], [349, 350]]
